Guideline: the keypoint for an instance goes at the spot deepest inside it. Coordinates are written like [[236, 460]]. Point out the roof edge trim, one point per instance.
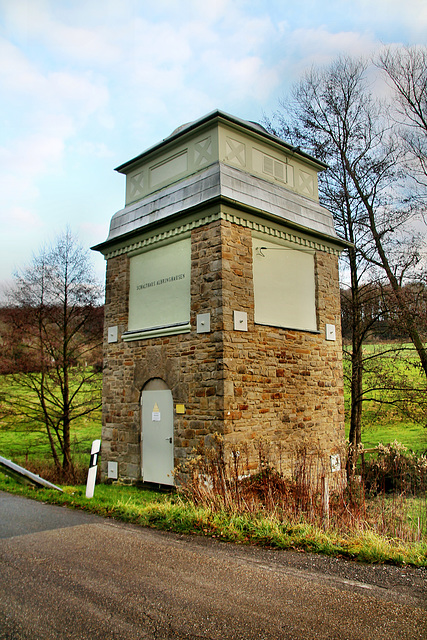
[[225, 117]]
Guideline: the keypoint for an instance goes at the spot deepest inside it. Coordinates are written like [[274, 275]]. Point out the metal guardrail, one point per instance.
[[23, 475]]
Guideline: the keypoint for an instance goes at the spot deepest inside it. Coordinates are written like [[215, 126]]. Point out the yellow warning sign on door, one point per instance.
[[155, 416]]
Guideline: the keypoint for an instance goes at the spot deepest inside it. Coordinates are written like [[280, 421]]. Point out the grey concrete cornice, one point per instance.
[[218, 184]]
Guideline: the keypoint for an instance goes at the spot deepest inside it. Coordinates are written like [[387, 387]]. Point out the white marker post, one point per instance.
[[93, 468]]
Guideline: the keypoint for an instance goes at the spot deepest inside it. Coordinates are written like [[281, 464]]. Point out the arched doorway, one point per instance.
[[157, 433]]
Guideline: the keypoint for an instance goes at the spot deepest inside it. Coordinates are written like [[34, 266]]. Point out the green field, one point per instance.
[[382, 420], [388, 426], [24, 442], [22, 439], [412, 435]]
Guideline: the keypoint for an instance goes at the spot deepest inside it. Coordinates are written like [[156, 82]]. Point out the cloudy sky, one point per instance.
[[86, 85]]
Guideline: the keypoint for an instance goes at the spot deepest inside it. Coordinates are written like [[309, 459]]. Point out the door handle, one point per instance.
[[170, 440]]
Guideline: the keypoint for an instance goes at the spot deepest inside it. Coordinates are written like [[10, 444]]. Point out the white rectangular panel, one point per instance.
[[159, 293], [284, 286]]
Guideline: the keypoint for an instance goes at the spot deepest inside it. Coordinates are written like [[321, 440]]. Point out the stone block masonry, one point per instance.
[[281, 385], [190, 364]]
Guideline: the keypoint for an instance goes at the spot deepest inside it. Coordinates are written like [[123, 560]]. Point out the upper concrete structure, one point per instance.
[[203, 162]]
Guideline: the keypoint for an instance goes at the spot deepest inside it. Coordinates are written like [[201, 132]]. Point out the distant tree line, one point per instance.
[[381, 320], [18, 352]]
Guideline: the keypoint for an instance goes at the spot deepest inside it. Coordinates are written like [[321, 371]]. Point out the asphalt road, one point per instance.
[[66, 574]]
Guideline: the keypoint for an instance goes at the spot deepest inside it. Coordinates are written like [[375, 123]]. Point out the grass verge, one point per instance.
[[172, 512]]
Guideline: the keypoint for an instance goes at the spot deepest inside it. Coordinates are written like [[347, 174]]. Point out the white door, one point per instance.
[[157, 436]]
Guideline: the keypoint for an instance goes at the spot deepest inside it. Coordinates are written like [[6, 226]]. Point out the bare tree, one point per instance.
[[406, 71], [334, 116], [53, 327]]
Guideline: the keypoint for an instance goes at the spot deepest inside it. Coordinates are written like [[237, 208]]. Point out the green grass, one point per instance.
[[30, 442], [386, 429], [171, 512], [412, 435]]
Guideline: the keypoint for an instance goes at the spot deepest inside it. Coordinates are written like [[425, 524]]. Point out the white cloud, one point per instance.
[[77, 93], [46, 110], [319, 46], [17, 73], [86, 80], [157, 44], [51, 23], [28, 156], [240, 79], [153, 61], [408, 17], [57, 93], [22, 164], [212, 59], [211, 11], [98, 149], [24, 218]]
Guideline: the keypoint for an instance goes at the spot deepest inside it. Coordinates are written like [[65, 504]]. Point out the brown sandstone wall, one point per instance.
[[283, 385], [188, 363]]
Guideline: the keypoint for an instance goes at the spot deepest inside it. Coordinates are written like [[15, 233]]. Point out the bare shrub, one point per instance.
[[47, 470], [218, 477], [395, 469]]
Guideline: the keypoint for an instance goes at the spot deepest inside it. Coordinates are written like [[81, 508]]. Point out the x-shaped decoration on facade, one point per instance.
[[136, 185], [236, 152], [202, 151], [306, 182]]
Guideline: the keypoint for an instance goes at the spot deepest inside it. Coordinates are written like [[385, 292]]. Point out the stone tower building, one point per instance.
[[222, 309]]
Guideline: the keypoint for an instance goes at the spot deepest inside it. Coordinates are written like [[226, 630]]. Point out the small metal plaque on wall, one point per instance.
[[240, 321], [203, 322], [112, 334], [335, 462]]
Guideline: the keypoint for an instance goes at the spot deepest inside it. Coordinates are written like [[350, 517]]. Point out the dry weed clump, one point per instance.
[[218, 477], [395, 469], [46, 469]]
